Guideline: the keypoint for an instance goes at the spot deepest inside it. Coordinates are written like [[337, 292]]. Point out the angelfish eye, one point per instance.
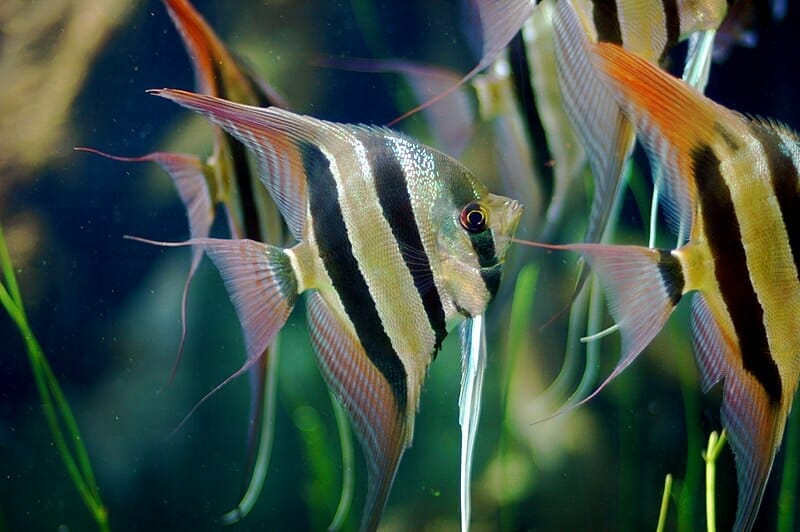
[[474, 217]]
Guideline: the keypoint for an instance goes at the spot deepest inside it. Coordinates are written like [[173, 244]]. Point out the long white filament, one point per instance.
[[473, 364]]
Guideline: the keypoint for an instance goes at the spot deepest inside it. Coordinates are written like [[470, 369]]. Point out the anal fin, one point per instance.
[[368, 398], [754, 423]]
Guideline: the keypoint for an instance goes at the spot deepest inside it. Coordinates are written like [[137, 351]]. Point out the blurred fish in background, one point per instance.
[[112, 308]]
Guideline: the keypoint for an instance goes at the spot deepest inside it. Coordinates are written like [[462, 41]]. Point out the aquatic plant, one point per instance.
[[55, 407]]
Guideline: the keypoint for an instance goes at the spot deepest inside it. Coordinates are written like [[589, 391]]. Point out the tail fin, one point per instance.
[[643, 286], [261, 284]]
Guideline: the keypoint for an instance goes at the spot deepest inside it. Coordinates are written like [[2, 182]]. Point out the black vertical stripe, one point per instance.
[[730, 140], [785, 183], [491, 278], [241, 169], [483, 244], [393, 195], [673, 25], [336, 252], [521, 77], [730, 268], [671, 275], [606, 21]]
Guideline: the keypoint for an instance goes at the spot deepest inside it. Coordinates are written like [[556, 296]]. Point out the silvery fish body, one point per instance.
[[397, 243]]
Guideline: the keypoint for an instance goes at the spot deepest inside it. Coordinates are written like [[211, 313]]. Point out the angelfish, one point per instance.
[[397, 243], [650, 28], [733, 195]]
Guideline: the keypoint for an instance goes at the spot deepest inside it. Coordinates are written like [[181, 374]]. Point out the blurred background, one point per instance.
[[106, 310]]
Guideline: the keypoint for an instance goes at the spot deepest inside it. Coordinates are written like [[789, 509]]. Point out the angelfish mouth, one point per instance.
[[515, 210]]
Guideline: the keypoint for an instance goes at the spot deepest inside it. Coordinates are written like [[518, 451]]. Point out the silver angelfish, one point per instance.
[[397, 244]]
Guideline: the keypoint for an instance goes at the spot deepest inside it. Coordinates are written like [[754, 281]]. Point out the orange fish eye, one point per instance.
[[474, 217]]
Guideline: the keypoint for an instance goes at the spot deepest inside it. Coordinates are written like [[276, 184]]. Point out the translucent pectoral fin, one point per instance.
[[473, 364], [380, 425]]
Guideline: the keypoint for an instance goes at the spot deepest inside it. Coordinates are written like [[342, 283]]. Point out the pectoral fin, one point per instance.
[[380, 425]]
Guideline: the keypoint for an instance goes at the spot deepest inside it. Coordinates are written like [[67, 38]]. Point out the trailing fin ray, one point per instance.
[[499, 21], [190, 177]]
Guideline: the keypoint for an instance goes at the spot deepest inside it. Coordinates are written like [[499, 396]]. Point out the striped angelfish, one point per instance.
[[649, 28], [224, 179], [397, 243], [733, 192]]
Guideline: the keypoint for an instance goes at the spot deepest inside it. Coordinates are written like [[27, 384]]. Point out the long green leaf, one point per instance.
[[55, 407]]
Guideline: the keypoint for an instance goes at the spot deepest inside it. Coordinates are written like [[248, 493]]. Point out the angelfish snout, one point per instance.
[[514, 210]]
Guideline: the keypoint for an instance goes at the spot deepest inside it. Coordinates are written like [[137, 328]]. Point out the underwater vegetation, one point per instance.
[[134, 347]]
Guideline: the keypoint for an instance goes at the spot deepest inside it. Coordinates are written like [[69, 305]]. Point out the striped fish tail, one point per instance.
[[262, 285], [643, 286]]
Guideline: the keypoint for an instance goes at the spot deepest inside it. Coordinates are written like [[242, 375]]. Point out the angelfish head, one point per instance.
[[473, 245]]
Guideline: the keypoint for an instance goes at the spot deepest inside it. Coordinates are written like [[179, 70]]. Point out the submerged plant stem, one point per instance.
[[715, 445], [694, 447], [348, 465], [55, 407], [662, 514], [518, 325]]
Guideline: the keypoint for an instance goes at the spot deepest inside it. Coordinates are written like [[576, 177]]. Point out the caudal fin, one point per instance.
[[643, 286], [261, 284]]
